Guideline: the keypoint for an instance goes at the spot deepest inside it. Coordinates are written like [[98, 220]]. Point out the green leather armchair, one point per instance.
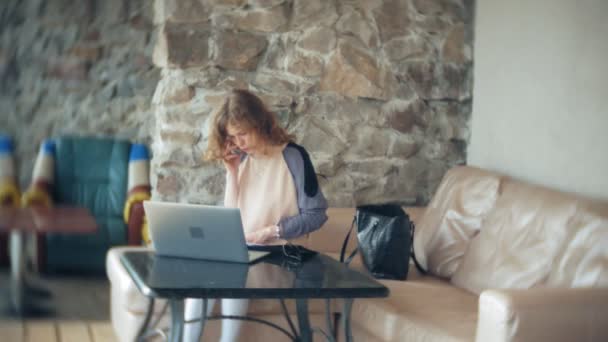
[[107, 176]]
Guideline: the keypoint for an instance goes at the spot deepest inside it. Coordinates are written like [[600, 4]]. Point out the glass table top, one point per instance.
[[319, 276]]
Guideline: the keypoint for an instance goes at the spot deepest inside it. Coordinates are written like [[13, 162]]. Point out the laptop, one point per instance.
[[198, 232]]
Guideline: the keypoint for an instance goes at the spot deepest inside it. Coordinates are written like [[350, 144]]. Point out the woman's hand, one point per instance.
[[231, 159], [261, 236]]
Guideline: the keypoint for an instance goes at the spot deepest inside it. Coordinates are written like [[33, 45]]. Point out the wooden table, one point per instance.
[[24, 223]]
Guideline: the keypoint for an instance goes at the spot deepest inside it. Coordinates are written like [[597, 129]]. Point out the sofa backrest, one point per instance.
[[92, 172], [328, 239], [535, 236]]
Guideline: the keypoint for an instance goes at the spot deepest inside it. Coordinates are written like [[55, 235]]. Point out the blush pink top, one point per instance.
[[266, 190]]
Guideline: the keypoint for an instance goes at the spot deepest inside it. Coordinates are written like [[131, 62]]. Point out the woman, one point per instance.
[[269, 178]]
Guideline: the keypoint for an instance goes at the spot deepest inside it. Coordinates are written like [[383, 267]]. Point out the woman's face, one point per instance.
[[245, 140]]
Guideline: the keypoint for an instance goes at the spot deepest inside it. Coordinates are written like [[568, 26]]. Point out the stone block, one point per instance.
[[392, 18], [85, 51], [275, 84], [436, 81], [209, 186], [172, 90], [426, 7], [111, 11], [318, 39], [181, 11], [92, 35], [422, 75], [410, 47], [140, 22], [402, 147], [368, 141], [453, 49], [60, 11], [277, 52], [265, 3], [308, 13], [214, 101], [305, 65], [167, 185], [226, 3], [456, 81], [318, 136], [171, 116], [182, 45], [239, 50], [402, 115], [178, 156], [67, 69], [353, 72], [177, 136], [353, 22], [272, 19], [455, 10]]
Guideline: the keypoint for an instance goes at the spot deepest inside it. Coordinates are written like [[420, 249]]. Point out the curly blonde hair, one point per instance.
[[243, 109]]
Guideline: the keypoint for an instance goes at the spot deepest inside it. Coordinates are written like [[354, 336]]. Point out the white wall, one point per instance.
[[540, 107]]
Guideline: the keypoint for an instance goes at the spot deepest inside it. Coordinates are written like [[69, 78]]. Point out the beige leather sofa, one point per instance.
[[508, 261]]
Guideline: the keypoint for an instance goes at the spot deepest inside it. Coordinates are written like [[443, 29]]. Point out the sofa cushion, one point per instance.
[[453, 217], [583, 259], [534, 234], [419, 309]]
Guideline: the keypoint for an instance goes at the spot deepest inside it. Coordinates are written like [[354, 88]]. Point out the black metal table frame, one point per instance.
[[305, 334]]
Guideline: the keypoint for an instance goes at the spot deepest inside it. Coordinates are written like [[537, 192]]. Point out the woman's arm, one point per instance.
[[231, 193], [231, 163], [311, 202]]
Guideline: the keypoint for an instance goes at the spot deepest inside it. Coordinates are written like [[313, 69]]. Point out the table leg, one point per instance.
[[348, 334], [303, 321], [177, 320], [329, 321], [17, 256], [24, 295], [144, 326]]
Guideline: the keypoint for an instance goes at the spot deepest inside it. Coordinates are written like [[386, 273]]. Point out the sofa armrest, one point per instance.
[[543, 314], [38, 194], [10, 197], [134, 215], [135, 225]]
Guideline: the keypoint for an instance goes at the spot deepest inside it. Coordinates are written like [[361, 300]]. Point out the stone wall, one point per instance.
[[378, 91], [75, 67]]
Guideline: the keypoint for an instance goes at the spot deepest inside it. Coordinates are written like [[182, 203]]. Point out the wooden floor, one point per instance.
[[56, 331], [79, 311]]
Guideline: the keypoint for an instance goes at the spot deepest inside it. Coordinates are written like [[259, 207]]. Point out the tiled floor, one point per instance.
[[79, 311]]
